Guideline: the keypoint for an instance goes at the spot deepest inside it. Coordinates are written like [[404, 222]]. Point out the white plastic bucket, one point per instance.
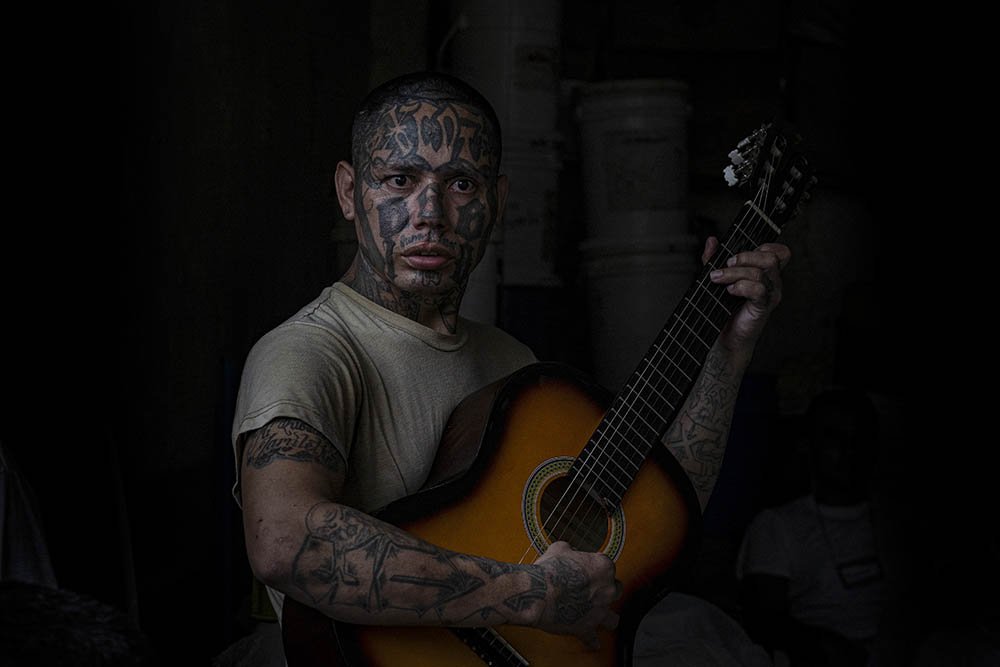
[[530, 222], [632, 288], [510, 52], [634, 158]]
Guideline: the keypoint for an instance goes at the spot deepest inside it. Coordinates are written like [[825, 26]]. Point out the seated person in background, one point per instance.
[[810, 572]]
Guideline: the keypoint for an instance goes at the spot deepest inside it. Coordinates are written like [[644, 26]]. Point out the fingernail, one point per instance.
[[715, 275], [731, 261]]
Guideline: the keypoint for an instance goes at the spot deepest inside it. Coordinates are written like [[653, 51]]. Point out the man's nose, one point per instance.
[[431, 208]]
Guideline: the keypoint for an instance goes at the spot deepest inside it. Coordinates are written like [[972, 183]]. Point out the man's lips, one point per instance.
[[427, 256]]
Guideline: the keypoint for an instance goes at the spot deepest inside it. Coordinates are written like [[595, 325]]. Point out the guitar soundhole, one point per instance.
[[572, 515]]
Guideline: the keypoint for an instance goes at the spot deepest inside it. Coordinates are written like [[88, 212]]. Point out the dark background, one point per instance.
[[175, 204]]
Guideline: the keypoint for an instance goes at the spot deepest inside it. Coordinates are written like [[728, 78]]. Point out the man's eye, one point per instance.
[[463, 185], [399, 180]]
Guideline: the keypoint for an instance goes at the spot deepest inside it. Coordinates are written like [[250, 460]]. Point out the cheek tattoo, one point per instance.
[[471, 220], [392, 219]]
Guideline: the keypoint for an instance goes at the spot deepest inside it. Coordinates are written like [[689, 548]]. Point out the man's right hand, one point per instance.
[[581, 588]]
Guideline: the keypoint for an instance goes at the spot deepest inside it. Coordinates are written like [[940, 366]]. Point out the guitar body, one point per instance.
[[540, 418]]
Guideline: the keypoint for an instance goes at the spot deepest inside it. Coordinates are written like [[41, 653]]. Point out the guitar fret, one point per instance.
[[593, 453], [672, 338], [594, 458], [635, 440], [641, 437], [738, 230], [661, 355], [602, 440], [696, 334], [639, 416], [658, 354], [610, 459], [711, 295], [582, 471], [635, 391], [729, 251], [665, 356], [706, 317]]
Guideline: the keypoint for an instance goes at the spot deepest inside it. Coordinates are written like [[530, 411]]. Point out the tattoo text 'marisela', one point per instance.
[[290, 440]]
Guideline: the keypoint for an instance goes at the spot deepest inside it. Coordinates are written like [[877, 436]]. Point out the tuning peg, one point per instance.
[[730, 175]]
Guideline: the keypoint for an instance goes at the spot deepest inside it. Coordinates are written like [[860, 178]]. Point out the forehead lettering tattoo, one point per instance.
[[477, 141], [432, 133], [398, 132]]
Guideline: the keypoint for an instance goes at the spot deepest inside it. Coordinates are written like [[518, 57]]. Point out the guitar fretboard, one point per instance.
[[654, 393]]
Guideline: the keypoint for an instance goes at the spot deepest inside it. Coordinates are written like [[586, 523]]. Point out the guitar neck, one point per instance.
[[654, 393]]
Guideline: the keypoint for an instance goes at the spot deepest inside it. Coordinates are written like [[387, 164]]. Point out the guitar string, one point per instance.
[[700, 335], [596, 458], [602, 447], [626, 418], [691, 303], [705, 332], [682, 340], [603, 432], [632, 395], [764, 232], [662, 350], [629, 413], [618, 427], [615, 424]]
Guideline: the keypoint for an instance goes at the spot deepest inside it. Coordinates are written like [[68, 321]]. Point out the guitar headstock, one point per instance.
[[771, 166]]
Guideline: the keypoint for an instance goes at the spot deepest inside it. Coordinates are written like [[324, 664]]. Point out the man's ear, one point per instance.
[[343, 180]]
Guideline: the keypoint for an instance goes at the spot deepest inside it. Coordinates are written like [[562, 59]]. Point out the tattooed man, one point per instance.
[[341, 408]]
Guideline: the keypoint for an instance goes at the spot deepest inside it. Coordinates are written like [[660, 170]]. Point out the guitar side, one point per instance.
[[540, 417]]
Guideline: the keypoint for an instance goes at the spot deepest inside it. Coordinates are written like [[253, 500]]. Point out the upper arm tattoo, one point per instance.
[[291, 440]]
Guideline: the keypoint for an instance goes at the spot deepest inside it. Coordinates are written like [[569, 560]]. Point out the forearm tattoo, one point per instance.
[[572, 602], [291, 440], [351, 562], [697, 438]]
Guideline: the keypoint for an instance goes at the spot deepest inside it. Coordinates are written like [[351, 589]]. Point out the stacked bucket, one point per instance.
[[639, 256], [510, 52]]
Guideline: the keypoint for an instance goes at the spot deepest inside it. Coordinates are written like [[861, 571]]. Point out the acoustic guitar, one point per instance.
[[559, 458]]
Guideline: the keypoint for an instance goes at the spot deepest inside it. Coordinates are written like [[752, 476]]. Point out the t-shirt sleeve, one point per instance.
[[303, 372], [763, 549]]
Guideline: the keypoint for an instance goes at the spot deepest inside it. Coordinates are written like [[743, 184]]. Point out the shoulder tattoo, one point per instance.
[[291, 440]]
